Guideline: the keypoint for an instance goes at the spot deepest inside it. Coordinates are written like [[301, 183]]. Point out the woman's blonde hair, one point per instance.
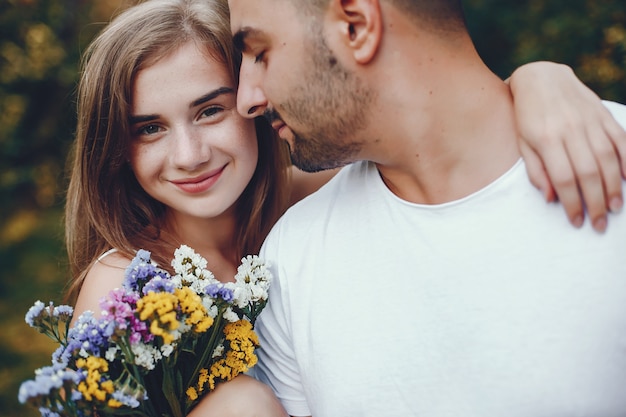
[[106, 207]]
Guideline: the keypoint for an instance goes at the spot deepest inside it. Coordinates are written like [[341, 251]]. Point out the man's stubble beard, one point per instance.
[[332, 104]]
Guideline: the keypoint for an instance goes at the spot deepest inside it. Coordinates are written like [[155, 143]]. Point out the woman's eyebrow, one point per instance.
[[207, 97], [140, 119], [211, 95]]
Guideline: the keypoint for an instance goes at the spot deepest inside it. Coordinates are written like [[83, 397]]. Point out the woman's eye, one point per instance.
[[148, 130]]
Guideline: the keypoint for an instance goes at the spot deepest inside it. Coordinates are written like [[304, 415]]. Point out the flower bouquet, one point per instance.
[[160, 343]]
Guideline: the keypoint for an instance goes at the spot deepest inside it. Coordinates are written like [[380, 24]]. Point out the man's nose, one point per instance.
[[251, 100]]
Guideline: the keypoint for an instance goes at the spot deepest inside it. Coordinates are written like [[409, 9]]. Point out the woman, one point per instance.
[[163, 158]]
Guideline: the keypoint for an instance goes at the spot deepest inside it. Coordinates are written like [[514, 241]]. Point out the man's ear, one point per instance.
[[361, 26]]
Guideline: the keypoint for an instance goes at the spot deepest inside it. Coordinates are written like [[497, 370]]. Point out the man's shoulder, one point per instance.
[[348, 178], [335, 200]]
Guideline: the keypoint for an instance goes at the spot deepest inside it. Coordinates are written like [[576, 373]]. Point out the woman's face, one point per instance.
[[190, 149]]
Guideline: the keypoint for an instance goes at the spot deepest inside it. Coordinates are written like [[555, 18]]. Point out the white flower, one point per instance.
[[230, 315], [186, 260], [111, 353], [167, 349], [252, 281], [212, 311], [191, 270], [145, 355], [240, 294], [181, 330], [209, 305], [219, 350]]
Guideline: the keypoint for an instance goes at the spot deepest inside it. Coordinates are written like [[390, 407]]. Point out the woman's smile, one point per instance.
[[200, 183]]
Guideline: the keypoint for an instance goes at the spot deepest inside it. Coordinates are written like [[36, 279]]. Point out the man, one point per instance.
[[429, 279]]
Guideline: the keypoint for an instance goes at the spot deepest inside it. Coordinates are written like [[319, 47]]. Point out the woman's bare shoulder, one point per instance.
[[105, 274]]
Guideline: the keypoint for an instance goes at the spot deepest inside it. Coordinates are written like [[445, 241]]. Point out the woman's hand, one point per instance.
[[574, 149]]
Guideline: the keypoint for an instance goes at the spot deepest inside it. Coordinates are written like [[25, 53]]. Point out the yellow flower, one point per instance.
[[239, 357], [157, 330], [191, 305], [243, 340], [156, 303], [161, 309], [203, 379], [192, 394], [92, 387], [113, 403]]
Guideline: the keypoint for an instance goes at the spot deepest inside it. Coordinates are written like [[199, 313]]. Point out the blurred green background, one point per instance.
[[40, 46]]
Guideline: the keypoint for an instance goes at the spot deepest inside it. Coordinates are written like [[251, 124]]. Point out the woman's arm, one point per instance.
[[244, 396], [574, 149]]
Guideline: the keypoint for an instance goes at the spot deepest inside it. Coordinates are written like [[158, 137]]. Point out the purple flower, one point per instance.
[[63, 312], [218, 290], [140, 331], [76, 395], [125, 399], [46, 412], [118, 307], [159, 284], [90, 335], [140, 270], [34, 316], [47, 379], [61, 356]]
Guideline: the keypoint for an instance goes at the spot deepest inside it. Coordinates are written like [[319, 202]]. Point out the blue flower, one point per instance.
[[47, 379], [159, 284], [90, 335], [28, 389], [125, 399], [63, 312], [140, 267], [34, 314], [76, 395], [46, 412], [216, 290]]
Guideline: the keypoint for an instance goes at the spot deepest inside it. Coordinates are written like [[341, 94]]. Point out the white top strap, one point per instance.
[[107, 253]]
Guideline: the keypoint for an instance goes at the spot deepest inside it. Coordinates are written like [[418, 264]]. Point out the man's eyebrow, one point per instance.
[[239, 38], [210, 96]]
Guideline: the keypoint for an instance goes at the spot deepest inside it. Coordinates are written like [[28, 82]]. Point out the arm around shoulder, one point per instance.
[[574, 150]]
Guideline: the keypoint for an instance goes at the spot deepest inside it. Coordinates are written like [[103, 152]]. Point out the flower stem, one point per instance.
[[217, 331]]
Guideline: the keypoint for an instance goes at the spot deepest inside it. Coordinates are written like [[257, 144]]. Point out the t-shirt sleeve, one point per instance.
[[277, 364]]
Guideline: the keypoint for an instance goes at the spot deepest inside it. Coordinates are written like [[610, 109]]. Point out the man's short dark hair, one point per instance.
[[439, 15]]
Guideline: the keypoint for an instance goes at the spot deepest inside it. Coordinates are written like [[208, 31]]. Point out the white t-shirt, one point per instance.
[[489, 306]]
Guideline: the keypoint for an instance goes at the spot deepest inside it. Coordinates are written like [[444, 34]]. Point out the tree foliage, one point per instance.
[[588, 35]]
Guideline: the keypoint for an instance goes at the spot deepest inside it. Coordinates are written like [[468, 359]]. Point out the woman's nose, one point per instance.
[[189, 150]]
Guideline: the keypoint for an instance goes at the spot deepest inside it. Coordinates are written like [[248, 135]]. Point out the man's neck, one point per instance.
[[459, 136]]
